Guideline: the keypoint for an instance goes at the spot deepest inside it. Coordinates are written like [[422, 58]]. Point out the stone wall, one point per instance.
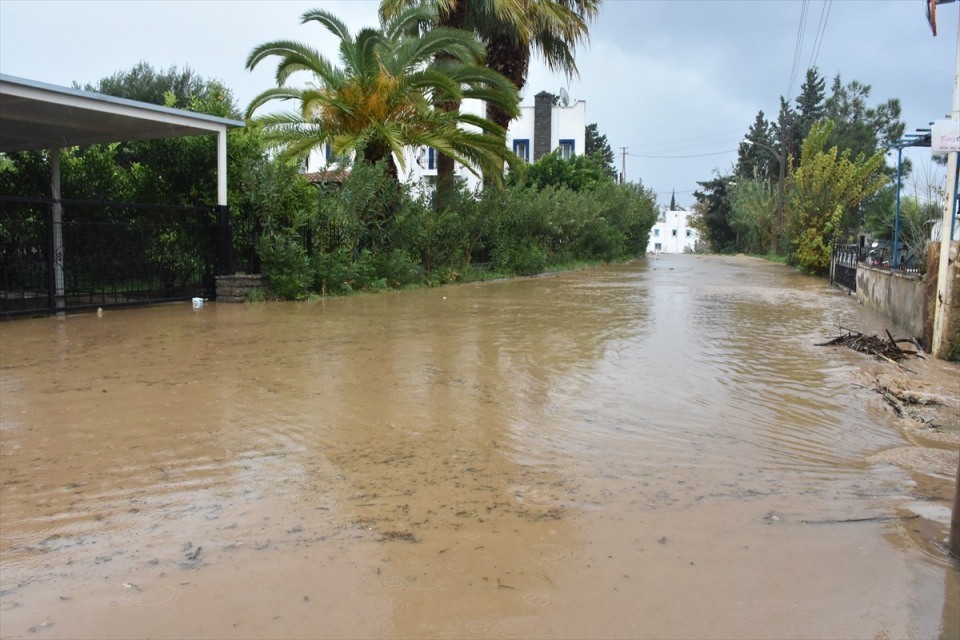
[[237, 288], [899, 296]]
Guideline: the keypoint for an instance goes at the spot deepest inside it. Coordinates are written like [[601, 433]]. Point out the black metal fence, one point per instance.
[[844, 265], [846, 257], [100, 254]]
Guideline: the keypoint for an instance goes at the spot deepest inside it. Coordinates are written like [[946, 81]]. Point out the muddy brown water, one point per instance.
[[654, 450]]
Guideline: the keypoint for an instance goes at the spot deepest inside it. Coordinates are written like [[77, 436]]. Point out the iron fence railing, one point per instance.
[[846, 258], [97, 254]]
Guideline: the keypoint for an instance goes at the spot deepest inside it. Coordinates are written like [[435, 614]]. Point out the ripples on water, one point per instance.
[[429, 405], [715, 368]]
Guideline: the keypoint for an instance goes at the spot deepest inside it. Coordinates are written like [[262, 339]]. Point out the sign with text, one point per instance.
[[945, 137]]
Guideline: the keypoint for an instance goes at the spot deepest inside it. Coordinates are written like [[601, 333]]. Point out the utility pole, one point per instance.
[[623, 165], [943, 295]]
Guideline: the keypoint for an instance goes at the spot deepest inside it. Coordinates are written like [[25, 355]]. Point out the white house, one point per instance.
[[540, 129], [672, 233]]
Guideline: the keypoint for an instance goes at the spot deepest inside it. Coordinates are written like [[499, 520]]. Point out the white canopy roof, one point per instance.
[[34, 115]]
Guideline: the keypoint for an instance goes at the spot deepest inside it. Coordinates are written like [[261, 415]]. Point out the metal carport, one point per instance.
[[35, 115]]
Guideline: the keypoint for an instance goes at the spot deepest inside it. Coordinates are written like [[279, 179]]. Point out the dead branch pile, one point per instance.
[[884, 349]]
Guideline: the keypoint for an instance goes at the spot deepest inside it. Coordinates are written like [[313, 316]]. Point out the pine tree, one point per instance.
[[596, 144], [754, 161], [810, 103]]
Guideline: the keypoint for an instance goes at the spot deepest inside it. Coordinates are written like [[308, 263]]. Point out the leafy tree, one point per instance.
[[810, 103], [714, 214], [859, 127], [753, 216], [145, 84], [787, 138], [511, 30], [172, 170], [596, 145], [755, 162], [827, 191], [551, 28], [382, 99], [577, 173]]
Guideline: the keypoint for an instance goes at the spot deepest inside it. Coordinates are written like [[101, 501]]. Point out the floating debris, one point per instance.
[[884, 349]]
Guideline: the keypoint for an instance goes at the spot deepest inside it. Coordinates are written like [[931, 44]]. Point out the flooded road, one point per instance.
[[654, 450]]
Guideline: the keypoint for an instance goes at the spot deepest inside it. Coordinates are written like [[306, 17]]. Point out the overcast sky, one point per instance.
[[673, 83]]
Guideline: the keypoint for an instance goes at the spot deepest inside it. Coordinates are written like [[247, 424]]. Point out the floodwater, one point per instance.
[[653, 450]]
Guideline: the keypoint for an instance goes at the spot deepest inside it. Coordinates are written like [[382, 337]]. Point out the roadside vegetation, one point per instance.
[[391, 86], [815, 178]]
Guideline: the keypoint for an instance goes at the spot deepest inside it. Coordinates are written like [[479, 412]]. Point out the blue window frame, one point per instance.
[[522, 149], [567, 149]]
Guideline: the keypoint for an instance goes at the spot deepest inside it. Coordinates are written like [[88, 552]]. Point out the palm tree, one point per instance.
[[381, 100], [512, 30], [552, 28]]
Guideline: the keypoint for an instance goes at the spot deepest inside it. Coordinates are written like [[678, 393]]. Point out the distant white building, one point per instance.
[[540, 129], [672, 233]]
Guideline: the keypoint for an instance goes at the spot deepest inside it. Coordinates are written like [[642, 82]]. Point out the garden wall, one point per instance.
[[899, 296], [237, 288]]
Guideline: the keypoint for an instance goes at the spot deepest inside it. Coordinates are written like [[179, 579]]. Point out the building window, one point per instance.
[[673, 233], [522, 149], [657, 246], [329, 156], [689, 233], [427, 158], [656, 233], [567, 149]]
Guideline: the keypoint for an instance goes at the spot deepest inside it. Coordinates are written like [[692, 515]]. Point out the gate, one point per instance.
[[103, 254], [844, 266]]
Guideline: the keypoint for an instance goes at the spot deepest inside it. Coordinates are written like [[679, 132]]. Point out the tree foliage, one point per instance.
[[755, 161], [512, 31], [753, 216], [713, 214], [596, 145], [827, 190], [383, 97], [577, 173]]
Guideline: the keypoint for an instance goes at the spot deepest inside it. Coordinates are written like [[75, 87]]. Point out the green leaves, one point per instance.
[[827, 191], [382, 97]]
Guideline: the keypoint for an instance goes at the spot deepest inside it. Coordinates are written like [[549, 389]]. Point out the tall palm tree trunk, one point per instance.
[[511, 59], [456, 18]]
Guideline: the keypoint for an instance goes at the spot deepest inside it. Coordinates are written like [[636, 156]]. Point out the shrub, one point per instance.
[[285, 263]]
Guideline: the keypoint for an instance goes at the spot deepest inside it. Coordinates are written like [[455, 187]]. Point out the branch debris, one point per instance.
[[884, 349]]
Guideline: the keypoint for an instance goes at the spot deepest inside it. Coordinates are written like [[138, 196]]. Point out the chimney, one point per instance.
[[542, 124]]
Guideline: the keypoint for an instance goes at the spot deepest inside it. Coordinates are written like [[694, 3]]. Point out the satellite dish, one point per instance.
[[564, 97]]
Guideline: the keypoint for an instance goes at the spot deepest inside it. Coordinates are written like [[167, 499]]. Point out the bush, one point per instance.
[[396, 269], [285, 264]]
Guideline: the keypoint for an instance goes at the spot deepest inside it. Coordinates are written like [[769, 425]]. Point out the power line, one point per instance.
[[696, 155], [821, 29], [798, 45]]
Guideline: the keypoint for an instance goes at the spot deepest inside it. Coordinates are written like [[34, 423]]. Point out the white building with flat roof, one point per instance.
[[672, 233]]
